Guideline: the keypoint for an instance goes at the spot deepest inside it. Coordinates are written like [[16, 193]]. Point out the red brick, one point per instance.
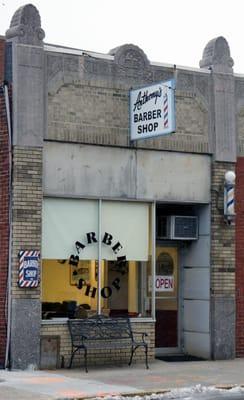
[[4, 207], [239, 193]]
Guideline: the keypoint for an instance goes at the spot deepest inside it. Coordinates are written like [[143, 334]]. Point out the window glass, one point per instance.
[[68, 290], [70, 262]]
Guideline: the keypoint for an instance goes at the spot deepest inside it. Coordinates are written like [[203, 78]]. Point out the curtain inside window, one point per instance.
[[66, 221], [124, 229]]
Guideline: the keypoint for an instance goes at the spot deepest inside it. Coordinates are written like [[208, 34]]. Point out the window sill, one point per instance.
[[61, 321], [54, 321]]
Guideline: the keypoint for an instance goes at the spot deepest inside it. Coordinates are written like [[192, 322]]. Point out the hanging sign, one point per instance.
[[152, 110], [162, 283], [29, 261]]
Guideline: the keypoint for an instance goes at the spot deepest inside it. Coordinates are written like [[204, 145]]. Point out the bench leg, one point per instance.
[[133, 349], [131, 354], [71, 358], [73, 354], [146, 351], [85, 357]]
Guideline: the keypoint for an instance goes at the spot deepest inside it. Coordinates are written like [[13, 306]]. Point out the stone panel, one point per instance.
[[240, 123], [125, 173], [162, 74], [216, 55], [28, 96], [223, 328], [2, 59], [224, 118], [240, 128], [185, 81], [25, 333], [25, 26]]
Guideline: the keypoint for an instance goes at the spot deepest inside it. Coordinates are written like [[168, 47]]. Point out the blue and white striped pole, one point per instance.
[[229, 196]]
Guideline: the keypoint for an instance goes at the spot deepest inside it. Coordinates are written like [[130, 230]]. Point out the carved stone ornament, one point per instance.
[[216, 56], [130, 56], [25, 26]]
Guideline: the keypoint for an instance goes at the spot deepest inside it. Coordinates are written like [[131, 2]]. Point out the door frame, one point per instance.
[[178, 349]]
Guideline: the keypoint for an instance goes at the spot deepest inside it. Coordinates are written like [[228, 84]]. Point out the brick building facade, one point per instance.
[[4, 205], [239, 258], [75, 172]]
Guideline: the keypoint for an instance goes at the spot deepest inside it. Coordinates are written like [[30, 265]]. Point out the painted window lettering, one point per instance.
[[116, 246]]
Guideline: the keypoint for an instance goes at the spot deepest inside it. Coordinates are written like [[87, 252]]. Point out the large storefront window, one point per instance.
[[97, 258]]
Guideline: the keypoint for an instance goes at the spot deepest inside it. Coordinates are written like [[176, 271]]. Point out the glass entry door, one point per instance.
[[166, 297]]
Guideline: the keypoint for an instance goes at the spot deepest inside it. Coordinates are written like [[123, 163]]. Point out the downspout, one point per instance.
[[9, 281]]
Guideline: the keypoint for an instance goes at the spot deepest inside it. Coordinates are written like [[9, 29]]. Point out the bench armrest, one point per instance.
[[143, 335]]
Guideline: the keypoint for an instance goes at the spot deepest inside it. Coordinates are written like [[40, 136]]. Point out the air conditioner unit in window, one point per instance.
[[183, 227]]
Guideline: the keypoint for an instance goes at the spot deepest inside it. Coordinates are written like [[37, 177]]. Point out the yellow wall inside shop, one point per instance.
[[133, 287], [56, 286]]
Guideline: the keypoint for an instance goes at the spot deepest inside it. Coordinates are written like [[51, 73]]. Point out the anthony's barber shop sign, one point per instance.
[[152, 110]]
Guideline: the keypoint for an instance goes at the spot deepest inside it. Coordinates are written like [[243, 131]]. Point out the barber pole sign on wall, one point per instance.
[[29, 261]]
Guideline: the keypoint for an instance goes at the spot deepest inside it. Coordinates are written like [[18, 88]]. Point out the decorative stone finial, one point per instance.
[[216, 56], [130, 56], [25, 26]]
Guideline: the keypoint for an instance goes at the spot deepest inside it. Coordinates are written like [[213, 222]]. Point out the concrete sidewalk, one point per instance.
[[101, 381]]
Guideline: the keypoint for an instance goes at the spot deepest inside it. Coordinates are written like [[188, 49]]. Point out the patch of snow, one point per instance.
[[187, 393]]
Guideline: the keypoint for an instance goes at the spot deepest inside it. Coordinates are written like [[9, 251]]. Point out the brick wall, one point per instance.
[[100, 357], [26, 207], [26, 235], [4, 208], [223, 238], [89, 121], [222, 270], [240, 257], [101, 114]]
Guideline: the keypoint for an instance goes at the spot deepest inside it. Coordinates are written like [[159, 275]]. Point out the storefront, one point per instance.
[[123, 225], [146, 247]]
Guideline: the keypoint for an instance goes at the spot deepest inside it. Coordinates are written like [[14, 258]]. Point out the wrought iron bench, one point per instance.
[[101, 332]]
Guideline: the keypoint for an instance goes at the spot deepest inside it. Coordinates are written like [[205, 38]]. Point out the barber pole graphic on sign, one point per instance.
[[29, 261], [166, 120], [152, 110]]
